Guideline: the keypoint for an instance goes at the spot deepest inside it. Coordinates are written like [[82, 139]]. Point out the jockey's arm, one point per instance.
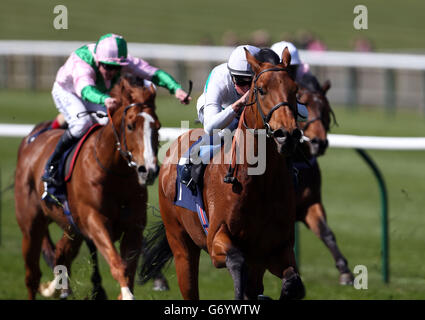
[[140, 67], [216, 119], [92, 94]]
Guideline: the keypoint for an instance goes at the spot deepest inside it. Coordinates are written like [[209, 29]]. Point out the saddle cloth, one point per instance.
[[185, 198]]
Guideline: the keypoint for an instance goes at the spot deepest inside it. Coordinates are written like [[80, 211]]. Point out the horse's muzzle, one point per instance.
[[147, 176], [318, 146], [287, 141]]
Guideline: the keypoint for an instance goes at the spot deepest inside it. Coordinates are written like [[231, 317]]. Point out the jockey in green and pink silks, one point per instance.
[[83, 84]]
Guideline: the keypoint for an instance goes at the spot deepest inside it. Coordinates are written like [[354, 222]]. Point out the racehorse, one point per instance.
[[107, 193], [251, 219], [310, 209]]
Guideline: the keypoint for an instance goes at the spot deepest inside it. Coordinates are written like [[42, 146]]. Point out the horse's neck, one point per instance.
[[106, 147], [255, 153]]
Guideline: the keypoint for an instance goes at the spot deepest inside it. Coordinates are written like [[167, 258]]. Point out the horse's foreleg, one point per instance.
[[284, 266], [31, 249], [66, 250], [48, 250], [186, 259], [223, 253], [255, 288], [131, 247], [98, 293], [99, 234], [316, 221]]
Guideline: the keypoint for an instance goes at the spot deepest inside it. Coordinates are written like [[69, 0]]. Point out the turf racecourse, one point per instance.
[[350, 194]]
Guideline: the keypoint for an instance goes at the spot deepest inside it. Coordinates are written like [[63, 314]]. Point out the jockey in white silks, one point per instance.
[[224, 97], [297, 68], [83, 84]]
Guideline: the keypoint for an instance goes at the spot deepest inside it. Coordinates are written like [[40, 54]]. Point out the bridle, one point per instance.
[[123, 149], [230, 176], [318, 118], [266, 118]]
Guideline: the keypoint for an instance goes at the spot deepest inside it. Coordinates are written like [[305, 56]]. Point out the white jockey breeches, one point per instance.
[[73, 108]]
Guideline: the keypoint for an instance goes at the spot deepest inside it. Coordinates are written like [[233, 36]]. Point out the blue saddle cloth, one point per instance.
[[184, 196]]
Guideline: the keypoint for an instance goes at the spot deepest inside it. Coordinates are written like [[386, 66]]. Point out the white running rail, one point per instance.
[[219, 53], [335, 140]]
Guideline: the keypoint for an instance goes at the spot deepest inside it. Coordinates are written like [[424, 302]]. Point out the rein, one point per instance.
[[266, 118], [123, 150], [230, 176]]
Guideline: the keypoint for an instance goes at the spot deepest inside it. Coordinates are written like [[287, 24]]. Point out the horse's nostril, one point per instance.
[[297, 134], [141, 169], [325, 143], [280, 133]]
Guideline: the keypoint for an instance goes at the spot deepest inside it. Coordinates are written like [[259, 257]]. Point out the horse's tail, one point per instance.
[[156, 253]]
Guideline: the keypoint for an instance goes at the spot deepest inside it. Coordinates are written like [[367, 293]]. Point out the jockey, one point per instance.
[[225, 95], [297, 68], [83, 84]]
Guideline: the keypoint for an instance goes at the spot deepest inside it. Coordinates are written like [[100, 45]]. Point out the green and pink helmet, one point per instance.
[[111, 49]]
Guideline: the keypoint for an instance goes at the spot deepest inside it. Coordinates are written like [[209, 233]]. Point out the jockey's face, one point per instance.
[[108, 71], [242, 84]]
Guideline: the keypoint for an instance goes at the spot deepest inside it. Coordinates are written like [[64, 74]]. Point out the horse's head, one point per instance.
[[274, 93], [319, 117], [138, 127]]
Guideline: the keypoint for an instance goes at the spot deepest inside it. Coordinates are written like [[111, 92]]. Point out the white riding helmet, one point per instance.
[[237, 63], [278, 47]]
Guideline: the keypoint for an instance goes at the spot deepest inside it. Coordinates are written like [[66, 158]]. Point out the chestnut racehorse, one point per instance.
[[310, 209], [251, 221], [107, 193]]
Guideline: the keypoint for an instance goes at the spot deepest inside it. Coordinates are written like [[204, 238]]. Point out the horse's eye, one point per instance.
[[130, 127], [261, 91]]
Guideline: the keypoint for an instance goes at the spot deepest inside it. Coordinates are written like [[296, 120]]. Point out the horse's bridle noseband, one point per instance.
[[266, 118], [125, 153]]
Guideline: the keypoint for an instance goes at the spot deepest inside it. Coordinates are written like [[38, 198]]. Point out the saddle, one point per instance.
[[57, 195]]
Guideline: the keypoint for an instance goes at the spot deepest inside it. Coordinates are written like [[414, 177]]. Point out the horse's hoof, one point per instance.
[[346, 279], [48, 290], [160, 284], [292, 286], [65, 293], [263, 297], [99, 294]]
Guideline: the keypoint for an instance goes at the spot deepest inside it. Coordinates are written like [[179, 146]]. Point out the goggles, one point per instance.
[[242, 80], [110, 67]]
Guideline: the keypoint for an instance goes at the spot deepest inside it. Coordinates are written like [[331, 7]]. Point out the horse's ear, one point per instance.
[[326, 86], [152, 89], [125, 84], [255, 65], [286, 57]]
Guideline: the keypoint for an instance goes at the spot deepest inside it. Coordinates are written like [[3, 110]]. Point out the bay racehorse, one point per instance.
[[310, 208], [251, 220], [107, 193]]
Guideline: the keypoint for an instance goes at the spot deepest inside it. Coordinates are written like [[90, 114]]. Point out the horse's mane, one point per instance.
[[121, 91], [310, 82]]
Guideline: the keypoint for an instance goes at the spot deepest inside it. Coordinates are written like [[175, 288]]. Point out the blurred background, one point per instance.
[[379, 91]]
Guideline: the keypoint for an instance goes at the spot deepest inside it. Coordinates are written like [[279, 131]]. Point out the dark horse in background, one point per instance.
[[107, 193], [310, 209], [251, 221]]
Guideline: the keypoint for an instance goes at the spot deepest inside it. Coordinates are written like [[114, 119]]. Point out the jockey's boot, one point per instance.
[[51, 174], [186, 174]]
